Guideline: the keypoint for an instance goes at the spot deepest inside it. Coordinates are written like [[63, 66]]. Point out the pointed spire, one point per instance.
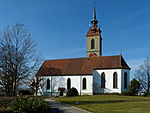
[[94, 21], [94, 14]]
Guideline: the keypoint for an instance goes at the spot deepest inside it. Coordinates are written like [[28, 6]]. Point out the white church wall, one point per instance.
[[61, 82], [108, 80], [42, 87], [93, 82], [89, 85], [128, 79]]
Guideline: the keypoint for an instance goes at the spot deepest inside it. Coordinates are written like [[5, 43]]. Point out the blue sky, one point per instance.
[[59, 27]]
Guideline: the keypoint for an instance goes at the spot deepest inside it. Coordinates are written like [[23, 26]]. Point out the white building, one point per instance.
[[94, 74]]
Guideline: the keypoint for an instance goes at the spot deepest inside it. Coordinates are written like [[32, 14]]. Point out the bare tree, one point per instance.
[[35, 84], [142, 74], [18, 59]]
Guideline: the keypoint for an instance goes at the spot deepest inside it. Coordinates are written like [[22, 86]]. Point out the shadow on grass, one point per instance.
[[102, 102]]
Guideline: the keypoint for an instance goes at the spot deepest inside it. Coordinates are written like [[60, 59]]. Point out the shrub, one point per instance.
[[6, 110], [4, 103], [4, 106], [126, 93], [30, 105], [24, 92], [134, 87], [110, 94], [72, 92], [148, 95]]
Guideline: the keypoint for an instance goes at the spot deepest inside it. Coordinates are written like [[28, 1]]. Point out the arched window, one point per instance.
[[125, 80], [92, 44], [84, 83], [48, 83], [103, 80], [68, 83], [115, 80]]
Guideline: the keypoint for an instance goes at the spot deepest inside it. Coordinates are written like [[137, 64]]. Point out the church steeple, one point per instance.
[[94, 21], [94, 39]]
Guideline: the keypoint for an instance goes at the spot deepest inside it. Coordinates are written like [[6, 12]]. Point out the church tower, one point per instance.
[[94, 39]]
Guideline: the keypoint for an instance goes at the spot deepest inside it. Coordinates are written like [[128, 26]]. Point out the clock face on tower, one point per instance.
[[93, 55]]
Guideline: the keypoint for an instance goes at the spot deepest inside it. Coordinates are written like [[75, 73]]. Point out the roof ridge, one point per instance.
[[82, 58]]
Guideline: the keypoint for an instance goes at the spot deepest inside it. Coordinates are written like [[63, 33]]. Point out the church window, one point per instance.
[[92, 44], [125, 80], [84, 83], [115, 80], [103, 80], [48, 83], [68, 83]]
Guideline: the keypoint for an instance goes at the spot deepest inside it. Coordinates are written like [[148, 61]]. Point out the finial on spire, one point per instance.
[[94, 21]]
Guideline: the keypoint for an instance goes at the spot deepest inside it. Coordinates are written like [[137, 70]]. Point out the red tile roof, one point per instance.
[[81, 66], [94, 32]]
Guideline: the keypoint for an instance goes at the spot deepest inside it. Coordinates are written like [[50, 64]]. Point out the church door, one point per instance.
[[61, 92]]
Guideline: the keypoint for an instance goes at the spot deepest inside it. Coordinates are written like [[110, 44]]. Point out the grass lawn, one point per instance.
[[110, 104]]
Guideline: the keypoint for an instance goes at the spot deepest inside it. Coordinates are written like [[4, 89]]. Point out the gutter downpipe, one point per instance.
[[80, 84]]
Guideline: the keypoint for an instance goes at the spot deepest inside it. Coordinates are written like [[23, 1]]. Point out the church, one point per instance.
[[94, 74]]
